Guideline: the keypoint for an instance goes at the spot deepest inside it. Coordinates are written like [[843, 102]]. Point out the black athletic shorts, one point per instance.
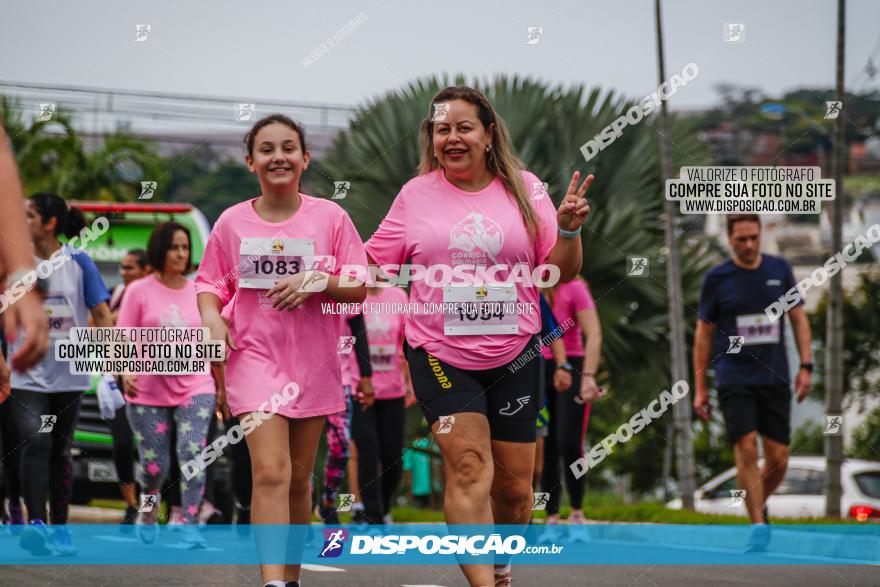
[[765, 408], [508, 398]]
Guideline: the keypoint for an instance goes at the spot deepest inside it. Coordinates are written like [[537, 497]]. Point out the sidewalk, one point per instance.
[[81, 514]]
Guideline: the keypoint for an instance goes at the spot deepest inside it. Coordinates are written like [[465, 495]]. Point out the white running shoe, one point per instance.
[[192, 537], [175, 518], [577, 528], [552, 532], [61, 541], [147, 527]]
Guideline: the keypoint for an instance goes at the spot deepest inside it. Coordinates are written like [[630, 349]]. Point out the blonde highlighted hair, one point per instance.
[[501, 159]]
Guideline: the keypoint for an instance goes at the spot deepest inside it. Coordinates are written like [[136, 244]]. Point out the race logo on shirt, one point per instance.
[[478, 238], [377, 325], [277, 247], [173, 317]]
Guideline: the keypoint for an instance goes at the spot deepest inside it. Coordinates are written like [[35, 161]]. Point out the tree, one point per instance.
[[866, 439], [51, 157], [861, 361], [808, 439]]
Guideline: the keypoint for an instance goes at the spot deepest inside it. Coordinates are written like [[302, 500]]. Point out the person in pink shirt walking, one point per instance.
[[267, 252], [357, 386], [569, 409], [475, 208], [166, 298], [377, 428]]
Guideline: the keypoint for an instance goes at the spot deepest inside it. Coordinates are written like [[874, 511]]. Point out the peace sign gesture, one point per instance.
[[574, 207]]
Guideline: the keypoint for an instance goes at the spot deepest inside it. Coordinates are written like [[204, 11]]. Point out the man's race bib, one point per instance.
[[382, 356], [473, 309], [757, 329], [60, 316], [263, 261]]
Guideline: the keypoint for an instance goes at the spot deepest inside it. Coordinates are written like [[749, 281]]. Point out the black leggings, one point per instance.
[[378, 434], [47, 466], [240, 474], [242, 483], [123, 446], [565, 439], [10, 457]]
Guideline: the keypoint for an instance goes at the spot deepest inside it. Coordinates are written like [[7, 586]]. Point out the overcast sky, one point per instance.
[[255, 48]]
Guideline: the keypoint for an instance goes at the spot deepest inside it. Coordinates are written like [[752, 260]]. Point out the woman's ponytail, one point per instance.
[[75, 222]]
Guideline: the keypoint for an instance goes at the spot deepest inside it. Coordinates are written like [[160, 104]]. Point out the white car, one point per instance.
[[801, 494]]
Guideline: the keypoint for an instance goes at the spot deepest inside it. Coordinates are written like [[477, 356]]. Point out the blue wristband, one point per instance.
[[569, 233]]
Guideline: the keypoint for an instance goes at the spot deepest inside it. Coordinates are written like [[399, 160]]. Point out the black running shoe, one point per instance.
[[358, 516], [329, 515], [242, 515], [243, 521], [129, 520]]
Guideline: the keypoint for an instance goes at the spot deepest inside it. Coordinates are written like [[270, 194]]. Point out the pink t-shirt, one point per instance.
[[570, 298], [385, 334], [149, 304], [279, 347], [433, 222]]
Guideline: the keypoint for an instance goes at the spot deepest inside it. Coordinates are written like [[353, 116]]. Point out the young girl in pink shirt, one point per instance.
[[280, 255], [473, 205]]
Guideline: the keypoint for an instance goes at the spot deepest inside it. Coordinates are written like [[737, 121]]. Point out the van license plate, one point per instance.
[[102, 471]]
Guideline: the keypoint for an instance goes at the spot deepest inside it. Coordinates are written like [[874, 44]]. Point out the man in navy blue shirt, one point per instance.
[[748, 354]]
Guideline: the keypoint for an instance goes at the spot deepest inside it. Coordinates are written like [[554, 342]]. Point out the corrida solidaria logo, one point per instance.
[[334, 542]]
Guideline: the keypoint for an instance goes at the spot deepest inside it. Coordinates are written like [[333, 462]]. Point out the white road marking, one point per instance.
[[111, 538], [322, 569]]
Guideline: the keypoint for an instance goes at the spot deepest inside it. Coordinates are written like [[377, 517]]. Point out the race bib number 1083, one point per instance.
[[263, 261]]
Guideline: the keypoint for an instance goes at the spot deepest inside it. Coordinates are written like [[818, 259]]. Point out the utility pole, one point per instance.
[[684, 440], [834, 331]]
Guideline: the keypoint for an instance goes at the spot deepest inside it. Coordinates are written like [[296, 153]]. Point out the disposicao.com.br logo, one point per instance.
[[452, 544]]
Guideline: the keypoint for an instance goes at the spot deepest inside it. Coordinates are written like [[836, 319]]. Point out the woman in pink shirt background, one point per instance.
[[474, 204], [378, 429], [166, 298], [279, 255], [569, 409]]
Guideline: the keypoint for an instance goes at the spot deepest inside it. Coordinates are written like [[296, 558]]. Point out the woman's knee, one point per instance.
[[512, 493], [469, 469], [300, 476], [271, 473]]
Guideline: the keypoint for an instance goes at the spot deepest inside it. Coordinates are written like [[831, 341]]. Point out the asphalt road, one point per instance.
[[396, 576]]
